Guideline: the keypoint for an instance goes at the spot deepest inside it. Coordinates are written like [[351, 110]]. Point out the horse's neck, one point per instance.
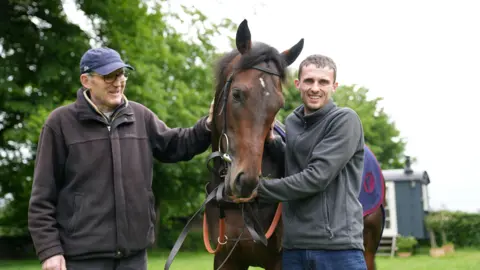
[[269, 167]]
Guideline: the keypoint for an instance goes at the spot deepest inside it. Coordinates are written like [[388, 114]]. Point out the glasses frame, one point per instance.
[[107, 79]]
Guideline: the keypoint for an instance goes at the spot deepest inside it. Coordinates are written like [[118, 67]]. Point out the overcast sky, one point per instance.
[[422, 57]]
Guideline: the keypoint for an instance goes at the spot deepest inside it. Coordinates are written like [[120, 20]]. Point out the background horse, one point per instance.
[[372, 198], [247, 98]]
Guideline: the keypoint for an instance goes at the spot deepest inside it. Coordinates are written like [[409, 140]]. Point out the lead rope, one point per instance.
[[234, 245]]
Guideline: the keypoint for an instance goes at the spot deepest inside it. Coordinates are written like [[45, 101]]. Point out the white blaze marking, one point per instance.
[[262, 82]]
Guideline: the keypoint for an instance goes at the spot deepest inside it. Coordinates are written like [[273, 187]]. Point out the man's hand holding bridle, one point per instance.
[[244, 200]]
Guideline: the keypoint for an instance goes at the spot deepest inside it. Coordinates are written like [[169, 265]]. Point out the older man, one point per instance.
[[92, 205]]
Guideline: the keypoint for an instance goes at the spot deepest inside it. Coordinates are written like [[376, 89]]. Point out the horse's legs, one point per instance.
[[230, 264], [372, 234], [275, 264], [369, 256]]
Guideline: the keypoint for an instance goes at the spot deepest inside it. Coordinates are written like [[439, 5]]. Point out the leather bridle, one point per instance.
[[225, 93]]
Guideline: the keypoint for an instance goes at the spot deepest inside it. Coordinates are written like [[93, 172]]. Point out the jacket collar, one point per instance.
[[86, 109], [316, 116]]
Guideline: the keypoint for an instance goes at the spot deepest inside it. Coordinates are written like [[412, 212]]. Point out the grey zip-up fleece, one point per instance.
[[323, 163]]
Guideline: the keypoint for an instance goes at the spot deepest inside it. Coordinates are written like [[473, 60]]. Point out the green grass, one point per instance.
[[462, 259]]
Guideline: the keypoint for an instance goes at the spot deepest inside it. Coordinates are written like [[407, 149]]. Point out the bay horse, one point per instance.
[[248, 95], [372, 198]]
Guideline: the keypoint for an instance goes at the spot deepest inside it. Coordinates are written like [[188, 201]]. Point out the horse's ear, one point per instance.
[[243, 38], [291, 54]]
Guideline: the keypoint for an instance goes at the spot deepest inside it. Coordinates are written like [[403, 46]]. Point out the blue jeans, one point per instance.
[[300, 259]]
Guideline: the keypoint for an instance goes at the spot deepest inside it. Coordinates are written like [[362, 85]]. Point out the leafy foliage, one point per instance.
[[38, 73], [381, 135], [458, 227], [406, 243]]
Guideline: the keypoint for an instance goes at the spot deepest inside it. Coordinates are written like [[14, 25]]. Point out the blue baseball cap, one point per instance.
[[102, 60]]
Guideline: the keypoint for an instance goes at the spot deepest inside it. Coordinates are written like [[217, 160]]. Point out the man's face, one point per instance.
[[316, 86], [106, 91]]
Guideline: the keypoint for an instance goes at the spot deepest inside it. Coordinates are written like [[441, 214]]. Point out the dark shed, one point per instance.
[[408, 189]]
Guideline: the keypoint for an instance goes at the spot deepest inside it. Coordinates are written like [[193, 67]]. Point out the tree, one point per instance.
[[38, 73], [381, 135]]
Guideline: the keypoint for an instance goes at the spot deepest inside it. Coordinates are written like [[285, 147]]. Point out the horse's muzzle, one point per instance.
[[244, 186]]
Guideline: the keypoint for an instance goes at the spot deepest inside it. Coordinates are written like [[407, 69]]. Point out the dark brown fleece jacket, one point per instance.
[[91, 194]]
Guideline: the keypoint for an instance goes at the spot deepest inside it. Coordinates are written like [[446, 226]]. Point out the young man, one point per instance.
[[324, 152], [92, 206]]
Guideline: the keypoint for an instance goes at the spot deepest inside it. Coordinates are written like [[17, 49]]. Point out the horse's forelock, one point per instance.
[[261, 52]]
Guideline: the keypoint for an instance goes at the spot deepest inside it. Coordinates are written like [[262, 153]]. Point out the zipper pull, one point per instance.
[[108, 128]]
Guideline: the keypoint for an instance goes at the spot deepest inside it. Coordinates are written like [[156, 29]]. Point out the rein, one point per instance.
[[217, 195]]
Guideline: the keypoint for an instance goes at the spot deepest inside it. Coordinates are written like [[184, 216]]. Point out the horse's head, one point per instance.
[[248, 97]]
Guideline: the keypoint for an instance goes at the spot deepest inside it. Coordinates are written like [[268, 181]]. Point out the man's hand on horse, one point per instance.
[[235, 199], [271, 135]]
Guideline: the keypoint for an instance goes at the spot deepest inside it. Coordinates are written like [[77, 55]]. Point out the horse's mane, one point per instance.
[[260, 52]]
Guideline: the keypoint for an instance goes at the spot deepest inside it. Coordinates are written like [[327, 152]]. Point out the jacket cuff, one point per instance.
[[50, 252], [202, 123], [207, 127], [262, 194]]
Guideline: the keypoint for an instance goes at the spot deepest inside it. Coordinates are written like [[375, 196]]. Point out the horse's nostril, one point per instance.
[[239, 182], [244, 186]]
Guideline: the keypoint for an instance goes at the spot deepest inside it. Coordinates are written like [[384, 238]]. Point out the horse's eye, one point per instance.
[[237, 95]]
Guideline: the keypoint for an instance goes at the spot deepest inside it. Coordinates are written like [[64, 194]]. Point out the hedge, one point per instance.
[[462, 229]]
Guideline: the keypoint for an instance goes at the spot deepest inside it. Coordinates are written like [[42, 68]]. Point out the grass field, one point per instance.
[[462, 259]]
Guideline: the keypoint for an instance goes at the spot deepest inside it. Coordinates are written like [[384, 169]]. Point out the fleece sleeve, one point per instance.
[[42, 223], [178, 144]]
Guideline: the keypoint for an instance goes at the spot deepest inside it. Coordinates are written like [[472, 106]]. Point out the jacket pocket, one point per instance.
[[152, 215], [151, 206], [326, 214], [77, 207]]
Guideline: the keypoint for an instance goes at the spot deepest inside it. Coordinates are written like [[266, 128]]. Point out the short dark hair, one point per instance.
[[321, 61]]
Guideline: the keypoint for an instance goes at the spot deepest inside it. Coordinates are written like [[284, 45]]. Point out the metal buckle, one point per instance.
[[226, 240]]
